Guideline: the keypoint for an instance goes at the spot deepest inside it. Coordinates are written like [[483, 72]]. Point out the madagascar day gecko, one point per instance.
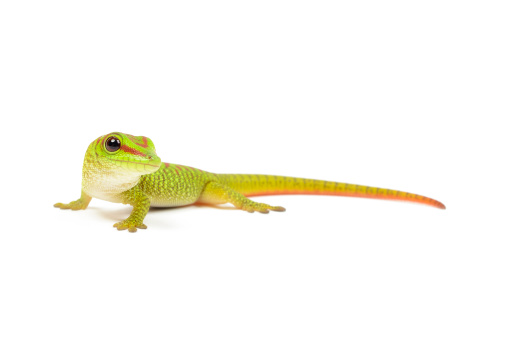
[[122, 168]]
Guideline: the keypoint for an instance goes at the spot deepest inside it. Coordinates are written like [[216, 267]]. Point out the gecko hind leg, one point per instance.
[[216, 193]]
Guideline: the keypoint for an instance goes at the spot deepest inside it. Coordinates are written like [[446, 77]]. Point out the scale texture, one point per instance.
[[122, 168]]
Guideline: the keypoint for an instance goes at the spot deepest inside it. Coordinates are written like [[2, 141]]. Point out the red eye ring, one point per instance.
[[112, 144]]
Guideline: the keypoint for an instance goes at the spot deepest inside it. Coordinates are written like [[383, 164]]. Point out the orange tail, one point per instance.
[[262, 185]]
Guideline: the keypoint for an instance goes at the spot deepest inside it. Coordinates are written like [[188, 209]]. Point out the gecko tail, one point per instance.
[[265, 185]]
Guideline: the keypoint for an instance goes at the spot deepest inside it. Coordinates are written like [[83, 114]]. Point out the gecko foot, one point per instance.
[[75, 205], [260, 207], [128, 225]]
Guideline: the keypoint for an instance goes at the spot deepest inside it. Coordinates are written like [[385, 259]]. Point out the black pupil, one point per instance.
[[113, 144]]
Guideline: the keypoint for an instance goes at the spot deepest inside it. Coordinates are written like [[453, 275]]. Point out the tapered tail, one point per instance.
[[262, 185]]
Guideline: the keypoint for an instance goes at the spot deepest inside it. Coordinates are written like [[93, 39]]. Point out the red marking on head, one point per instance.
[[99, 139], [144, 144], [133, 151], [167, 164]]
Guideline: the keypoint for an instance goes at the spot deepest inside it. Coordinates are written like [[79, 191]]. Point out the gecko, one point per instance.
[[122, 168]]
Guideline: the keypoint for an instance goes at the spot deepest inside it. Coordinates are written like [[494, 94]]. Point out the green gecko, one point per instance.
[[122, 168]]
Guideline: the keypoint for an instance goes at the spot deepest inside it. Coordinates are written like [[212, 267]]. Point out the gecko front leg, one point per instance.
[[80, 204], [141, 204]]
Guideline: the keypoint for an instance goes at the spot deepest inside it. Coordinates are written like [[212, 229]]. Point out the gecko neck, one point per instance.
[[105, 180]]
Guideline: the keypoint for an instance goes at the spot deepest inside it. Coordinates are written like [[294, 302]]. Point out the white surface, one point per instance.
[[393, 94]]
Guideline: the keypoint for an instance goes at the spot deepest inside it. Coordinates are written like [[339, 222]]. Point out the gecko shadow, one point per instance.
[[124, 212]]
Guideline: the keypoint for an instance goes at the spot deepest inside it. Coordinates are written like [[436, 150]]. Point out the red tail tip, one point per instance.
[[440, 205]]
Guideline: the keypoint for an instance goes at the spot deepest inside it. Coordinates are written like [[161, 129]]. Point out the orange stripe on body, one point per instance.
[[394, 197]]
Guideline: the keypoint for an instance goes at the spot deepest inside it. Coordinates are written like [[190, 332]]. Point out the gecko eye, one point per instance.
[[113, 144]]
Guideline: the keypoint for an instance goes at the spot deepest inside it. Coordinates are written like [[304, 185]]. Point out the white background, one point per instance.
[[396, 94]]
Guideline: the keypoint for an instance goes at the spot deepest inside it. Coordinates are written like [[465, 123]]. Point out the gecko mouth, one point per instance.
[[149, 166]]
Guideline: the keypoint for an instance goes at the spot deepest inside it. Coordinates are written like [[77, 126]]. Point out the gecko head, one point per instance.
[[126, 153]]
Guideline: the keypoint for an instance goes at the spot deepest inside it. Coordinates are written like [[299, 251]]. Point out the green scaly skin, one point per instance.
[[134, 174]]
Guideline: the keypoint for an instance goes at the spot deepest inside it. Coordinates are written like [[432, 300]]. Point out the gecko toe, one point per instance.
[[62, 206], [121, 226], [125, 225]]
